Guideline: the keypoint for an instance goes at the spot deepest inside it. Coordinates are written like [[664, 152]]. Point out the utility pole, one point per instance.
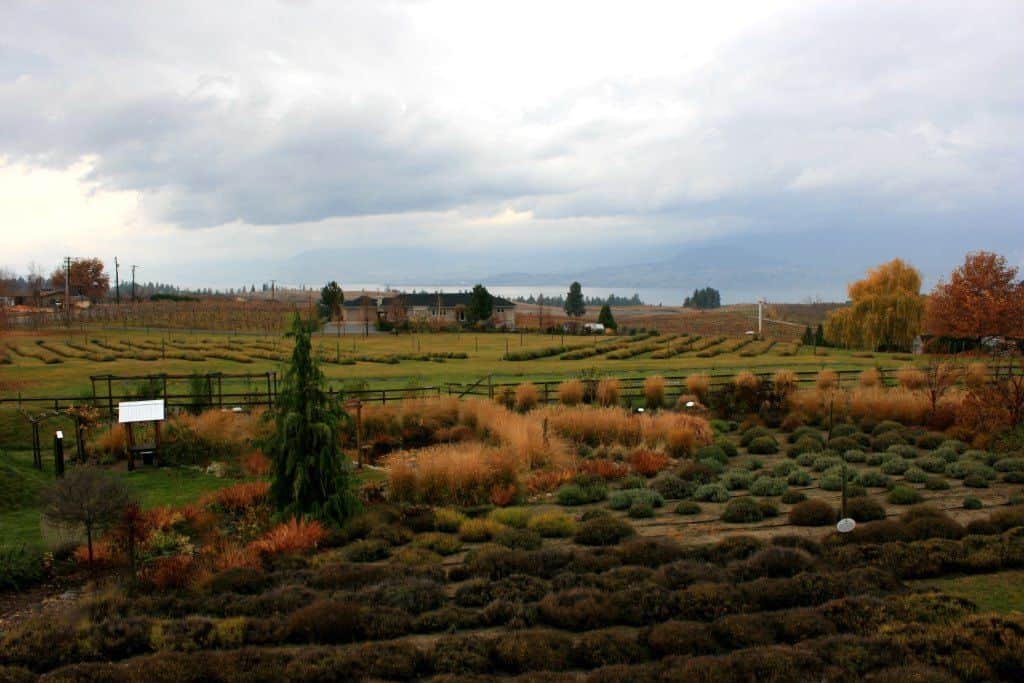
[[67, 290], [760, 316], [117, 282], [133, 280], [273, 288]]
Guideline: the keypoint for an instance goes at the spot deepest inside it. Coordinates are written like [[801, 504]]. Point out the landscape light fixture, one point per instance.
[[845, 525], [690, 404]]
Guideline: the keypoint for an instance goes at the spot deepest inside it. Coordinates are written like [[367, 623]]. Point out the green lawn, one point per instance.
[[1000, 592]]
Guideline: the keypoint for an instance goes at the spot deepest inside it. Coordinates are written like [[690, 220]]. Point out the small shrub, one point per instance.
[[865, 509], [902, 495], [515, 517], [711, 493], [743, 509], [603, 531], [727, 446], [931, 440], [972, 503], [648, 463], [895, 466], [523, 539], [479, 530], [641, 510], [712, 452], [687, 507], [654, 392], [813, 512], [294, 536], [799, 478], [527, 397], [633, 481], [793, 497], [20, 567], [936, 483], [622, 500], [855, 455], [875, 479], [734, 480], [369, 550], [671, 486], [975, 481], [553, 524], [582, 491], [768, 486], [827, 380], [608, 392], [763, 445], [448, 520]]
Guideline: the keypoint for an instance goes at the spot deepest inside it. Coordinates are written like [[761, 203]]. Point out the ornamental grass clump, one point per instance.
[[570, 392], [654, 392]]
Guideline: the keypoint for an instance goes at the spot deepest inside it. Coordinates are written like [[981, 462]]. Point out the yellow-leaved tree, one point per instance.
[[885, 311]]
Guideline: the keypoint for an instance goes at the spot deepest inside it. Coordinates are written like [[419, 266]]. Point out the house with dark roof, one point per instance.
[[441, 308]]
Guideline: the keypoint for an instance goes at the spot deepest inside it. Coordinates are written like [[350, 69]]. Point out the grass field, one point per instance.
[[58, 363], [1000, 592]]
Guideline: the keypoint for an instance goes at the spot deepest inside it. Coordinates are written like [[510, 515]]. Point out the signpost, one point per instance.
[[131, 412]]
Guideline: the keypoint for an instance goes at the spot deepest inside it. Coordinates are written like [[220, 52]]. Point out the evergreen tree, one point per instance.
[[819, 336], [310, 474], [706, 298], [331, 299], [480, 306], [808, 338], [605, 317], [574, 305]]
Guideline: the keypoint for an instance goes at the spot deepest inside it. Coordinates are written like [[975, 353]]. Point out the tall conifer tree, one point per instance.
[[310, 473]]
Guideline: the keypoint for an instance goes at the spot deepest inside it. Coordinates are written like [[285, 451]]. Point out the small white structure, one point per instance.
[[130, 413], [140, 411], [593, 328]]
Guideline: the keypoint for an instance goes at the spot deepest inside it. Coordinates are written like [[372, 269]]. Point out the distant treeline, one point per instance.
[[704, 299], [611, 300]]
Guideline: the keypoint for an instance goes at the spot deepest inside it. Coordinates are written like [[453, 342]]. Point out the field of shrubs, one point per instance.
[[510, 539]]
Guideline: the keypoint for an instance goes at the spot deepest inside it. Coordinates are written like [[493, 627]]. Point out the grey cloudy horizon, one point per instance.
[[207, 133]]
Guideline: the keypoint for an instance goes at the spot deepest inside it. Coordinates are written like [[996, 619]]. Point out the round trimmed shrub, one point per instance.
[[936, 483], [903, 495], [880, 443], [585, 489], [640, 510], [865, 509], [712, 465], [843, 429], [948, 455], [832, 478], [813, 512], [711, 493], [824, 462], [671, 486], [895, 466], [553, 524], [975, 481], [714, 451], [763, 445], [784, 468], [605, 530], [623, 500], [954, 445], [806, 459], [523, 539], [752, 464], [972, 503], [843, 443], [734, 480], [886, 426], [932, 464], [799, 478], [633, 481], [768, 508], [965, 468], [743, 509], [687, 507], [805, 444], [908, 452], [1009, 465], [749, 436], [768, 486], [875, 479], [793, 497], [915, 475], [727, 446], [855, 455]]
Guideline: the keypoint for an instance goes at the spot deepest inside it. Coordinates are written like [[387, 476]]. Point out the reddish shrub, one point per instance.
[[256, 464], [503, 495], [606, 469], [168, 572], [648, 463], [293, 536], [238, 497]]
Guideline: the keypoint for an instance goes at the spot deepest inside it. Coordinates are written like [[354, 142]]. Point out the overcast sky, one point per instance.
[[208, 132]]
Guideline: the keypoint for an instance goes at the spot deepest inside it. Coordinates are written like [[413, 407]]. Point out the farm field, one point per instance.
[[57, 363]]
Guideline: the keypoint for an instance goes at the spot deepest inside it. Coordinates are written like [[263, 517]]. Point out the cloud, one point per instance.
[[451, 122]]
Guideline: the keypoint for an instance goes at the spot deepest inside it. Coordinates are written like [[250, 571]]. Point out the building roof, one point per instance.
[[448, 299]]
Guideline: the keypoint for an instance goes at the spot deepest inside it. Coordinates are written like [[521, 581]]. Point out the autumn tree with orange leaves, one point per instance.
[[885, 311], [87, 278], [983, 298]]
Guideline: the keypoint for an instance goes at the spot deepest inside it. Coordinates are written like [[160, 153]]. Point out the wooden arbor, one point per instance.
[[130, 413]]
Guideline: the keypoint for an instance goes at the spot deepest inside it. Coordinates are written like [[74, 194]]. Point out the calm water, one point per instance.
[[666, 297]]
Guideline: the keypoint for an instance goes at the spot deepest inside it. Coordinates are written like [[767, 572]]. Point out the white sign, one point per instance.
[[60, 434], [140, 411], [845, 525]]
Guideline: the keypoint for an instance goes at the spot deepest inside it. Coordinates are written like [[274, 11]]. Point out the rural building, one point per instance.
[[439, 308]]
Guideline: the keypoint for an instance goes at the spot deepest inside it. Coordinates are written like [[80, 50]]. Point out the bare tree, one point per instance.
[[88, 497], [939, 378]]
